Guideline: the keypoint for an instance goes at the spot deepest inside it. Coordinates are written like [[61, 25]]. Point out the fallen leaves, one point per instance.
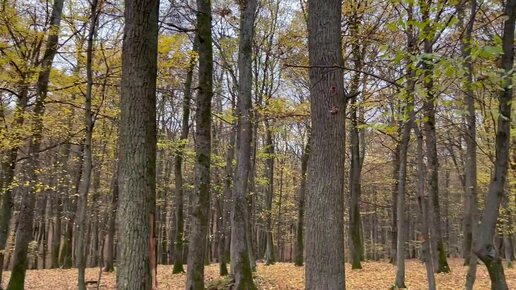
[[281, 276]]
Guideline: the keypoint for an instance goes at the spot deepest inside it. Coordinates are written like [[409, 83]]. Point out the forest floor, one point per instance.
[[374, 275]]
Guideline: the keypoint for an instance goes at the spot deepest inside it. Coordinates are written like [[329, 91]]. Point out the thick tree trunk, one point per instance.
[[485, 250], [137, 163], [324, 241], [240, 263], [299, 252], [201, 198], [25, 225]]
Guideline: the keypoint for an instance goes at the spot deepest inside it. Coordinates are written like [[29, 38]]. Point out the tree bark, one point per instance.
[[485, 250], [240, 263], [325, 198], [137, 175], [201, 197]]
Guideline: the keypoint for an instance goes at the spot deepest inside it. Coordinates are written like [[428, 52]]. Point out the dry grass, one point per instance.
[[375, 275]]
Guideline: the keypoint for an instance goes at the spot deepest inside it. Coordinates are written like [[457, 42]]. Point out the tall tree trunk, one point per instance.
[[394, 199], [470, 168], [240, 263], [408, 114], [485, 250], [201, 197], [178, 170], [226, 218], [84, 186], [25, 225], [269, 149], [431, 138], [137, 175], [356, 244], [324, 219], [299, 252], [424, 207]]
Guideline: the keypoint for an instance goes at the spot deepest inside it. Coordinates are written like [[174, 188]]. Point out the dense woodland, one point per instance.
[[319, 133]]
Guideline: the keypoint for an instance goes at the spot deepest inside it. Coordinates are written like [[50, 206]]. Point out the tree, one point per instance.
[[409, 115], [324, 242], [137, 175], [485, 250], [429, 131], [25, 224], [178, 169], [240, 263], [201, 196], [87, 165]]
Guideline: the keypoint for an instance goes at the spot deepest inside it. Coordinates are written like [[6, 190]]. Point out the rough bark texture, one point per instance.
[[25, 224], [485, 250], [137, 141], [201, 197], [324, 241], [240, 264]]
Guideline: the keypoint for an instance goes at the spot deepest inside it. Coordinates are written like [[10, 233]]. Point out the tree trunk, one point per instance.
[[109, 265], [299, 252], [137, 141], [25, 225], [240, 263], [431, 139], [485, 249], [424, 207], [84, 186], [201, 197], [409, 114], [226, 218], [325, 198], [178, 170], [269, 149]]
